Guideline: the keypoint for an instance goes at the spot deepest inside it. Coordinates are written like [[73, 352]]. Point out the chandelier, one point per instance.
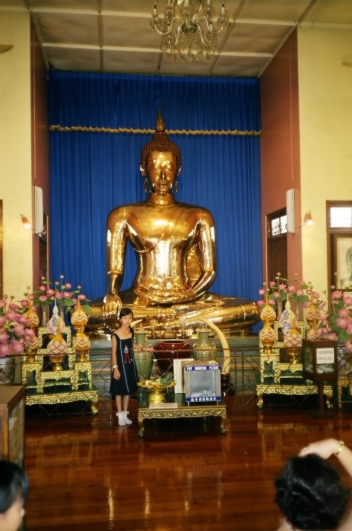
[[187, 29]]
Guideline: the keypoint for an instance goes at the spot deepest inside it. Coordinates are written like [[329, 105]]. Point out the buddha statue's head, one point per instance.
[[160, 160]]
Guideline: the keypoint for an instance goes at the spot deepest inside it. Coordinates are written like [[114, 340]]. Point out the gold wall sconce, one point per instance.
[[25, 222], [308, 219]]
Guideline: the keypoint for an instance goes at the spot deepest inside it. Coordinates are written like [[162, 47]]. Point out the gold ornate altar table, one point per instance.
[[72, 383], [181, 410]]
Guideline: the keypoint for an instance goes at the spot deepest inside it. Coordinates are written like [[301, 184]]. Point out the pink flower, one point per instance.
[[31, 297], [349, 328], [50, 292], [18, 329], [68, 285], [24, 303], [309, 291], [3, 336], [11, 315], [58, 295], [261, 291], [277, 294], [342, 323], [282, 287], [321, 305], [17, 346], [42, 288], [322, 331], [2, 320], [13, 306], [332, 336], [43, 298], [272, 283], [306, 304], [67, 294], [4, 350], [28, 334], [316, 295], [74, 300], [260, 303], [344, 313], [23, 320], [301, 282], [81, 297], [336, 295], [292, 289], [347, 300], [2, 304], [272, 302], [300, 292], [348, 346]]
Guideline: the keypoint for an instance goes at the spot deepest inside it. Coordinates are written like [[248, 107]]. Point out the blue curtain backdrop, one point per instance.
[[95, 167]]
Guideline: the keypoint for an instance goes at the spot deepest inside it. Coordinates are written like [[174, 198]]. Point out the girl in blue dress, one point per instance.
[[124, 371]]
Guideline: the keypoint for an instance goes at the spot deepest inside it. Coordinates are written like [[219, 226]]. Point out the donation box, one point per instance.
[[319, 360], [202, 381]]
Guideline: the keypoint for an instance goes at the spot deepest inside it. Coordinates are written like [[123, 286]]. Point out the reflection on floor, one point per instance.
[[86, 473]]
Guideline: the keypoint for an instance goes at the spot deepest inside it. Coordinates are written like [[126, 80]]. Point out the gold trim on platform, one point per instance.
[[192, 411], [65, 398]]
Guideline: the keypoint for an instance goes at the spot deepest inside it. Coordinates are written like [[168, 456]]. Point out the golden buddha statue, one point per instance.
[[175, 247]]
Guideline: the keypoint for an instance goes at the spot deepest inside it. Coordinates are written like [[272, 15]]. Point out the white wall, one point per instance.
[[15, 151], [325, 108]]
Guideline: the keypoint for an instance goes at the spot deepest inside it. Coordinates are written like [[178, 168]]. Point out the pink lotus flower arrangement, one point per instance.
[[299, 291], [15, 332], [337, 323], [61, 293]]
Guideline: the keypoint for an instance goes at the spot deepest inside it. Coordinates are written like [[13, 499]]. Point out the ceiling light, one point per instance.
[[26, 224], [187, 29], [308, 219]]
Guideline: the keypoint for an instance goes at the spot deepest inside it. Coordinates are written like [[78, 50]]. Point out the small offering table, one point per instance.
[[177, 407]]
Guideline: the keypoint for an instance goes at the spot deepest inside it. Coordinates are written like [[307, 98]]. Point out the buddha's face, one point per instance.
[[161, 169]]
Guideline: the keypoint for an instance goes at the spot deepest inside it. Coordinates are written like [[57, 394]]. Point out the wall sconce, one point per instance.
[[308, 219], [26, 224]]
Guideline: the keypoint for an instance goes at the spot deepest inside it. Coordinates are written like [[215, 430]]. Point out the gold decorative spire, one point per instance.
[[160, 142]]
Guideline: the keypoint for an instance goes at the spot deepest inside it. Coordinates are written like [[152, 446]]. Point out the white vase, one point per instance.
[[7, 370]]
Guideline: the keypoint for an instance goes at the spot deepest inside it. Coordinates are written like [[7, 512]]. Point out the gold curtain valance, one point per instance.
[[149, 131]]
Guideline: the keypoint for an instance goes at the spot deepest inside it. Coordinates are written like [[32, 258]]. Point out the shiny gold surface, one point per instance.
[[60, 385], [272, 368], [183, 411], [157, 390], [175, 247]]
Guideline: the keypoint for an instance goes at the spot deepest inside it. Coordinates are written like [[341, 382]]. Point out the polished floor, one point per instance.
[[86, 473]]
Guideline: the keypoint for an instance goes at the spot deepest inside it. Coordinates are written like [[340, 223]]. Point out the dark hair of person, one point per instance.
[[310, 493], [123, 312], [13, 485]]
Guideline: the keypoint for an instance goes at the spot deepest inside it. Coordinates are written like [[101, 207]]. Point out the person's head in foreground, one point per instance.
[[13, 494], [310, 494]]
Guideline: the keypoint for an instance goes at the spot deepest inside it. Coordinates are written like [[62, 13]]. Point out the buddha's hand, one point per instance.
[[159, 297], [111, 304]]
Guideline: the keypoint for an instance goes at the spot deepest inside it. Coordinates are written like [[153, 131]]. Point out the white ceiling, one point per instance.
[[114, 35]]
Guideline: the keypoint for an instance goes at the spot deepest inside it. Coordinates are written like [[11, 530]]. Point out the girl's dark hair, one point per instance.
[[310, 493], [123, 313], [13, 485]]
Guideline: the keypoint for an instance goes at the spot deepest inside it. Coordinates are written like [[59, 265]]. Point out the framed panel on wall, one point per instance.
[[339, 230]]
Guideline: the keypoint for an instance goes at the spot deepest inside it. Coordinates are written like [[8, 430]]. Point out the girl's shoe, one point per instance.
[[127, 420], [121, 417]]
